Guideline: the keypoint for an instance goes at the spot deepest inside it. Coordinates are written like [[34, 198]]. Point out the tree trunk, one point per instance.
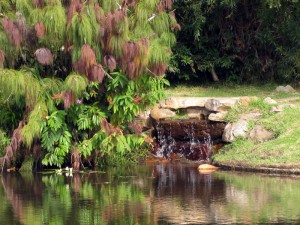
[[214, 75]]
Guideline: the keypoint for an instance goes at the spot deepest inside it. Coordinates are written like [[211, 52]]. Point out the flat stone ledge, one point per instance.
[[186, 102]]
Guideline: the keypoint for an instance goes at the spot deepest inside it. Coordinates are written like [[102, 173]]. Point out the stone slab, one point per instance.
[[208, 102]]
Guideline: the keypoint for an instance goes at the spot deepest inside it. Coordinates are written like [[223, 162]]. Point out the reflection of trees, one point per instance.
[[258, 198], [19, 190], [152, 194], [81, 199], [184, 195]]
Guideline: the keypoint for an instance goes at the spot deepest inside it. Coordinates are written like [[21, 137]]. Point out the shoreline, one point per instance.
[[258, 169]]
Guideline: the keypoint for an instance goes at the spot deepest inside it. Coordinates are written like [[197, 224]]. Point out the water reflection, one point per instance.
[[152, 194]]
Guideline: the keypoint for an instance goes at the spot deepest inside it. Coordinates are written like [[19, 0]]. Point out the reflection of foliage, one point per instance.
[[263, 199], [127, 196]]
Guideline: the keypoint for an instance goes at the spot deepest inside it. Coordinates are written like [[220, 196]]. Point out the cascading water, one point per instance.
[[192, 139]]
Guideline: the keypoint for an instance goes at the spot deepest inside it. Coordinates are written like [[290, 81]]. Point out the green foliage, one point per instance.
[[18, 85], [54, 20], [76, 83], [33, 128], [127, 97], [4, 142], [220, 35], [56, 139], [90, 117]]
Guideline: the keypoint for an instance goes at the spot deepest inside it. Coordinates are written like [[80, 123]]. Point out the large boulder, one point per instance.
[[218, 117], [270, 101], [235, 130], [211, 104], [196, 113], [159, 113], [286, 89], [260, 134], [220, 104], [182, 102]]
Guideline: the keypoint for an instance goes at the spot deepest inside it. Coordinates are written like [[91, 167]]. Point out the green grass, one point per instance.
[[225, 91], [281, 152]]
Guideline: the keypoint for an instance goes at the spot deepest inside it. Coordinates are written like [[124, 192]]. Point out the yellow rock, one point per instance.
[[207, 168]]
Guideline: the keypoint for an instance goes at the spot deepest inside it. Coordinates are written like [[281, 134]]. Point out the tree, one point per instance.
[[238, 40], [81, 70]]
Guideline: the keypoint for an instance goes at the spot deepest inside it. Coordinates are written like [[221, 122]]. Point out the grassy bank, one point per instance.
[[225, 91], [281, 152]]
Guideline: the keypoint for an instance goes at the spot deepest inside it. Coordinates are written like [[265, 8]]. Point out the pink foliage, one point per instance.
[[69, 98], [12, 31], [40, 29], [75, 6], [110, 62], [96, 73], [38, 3], [44, 56]]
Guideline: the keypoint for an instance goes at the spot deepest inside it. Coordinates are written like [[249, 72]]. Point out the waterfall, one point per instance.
[[189, 138]]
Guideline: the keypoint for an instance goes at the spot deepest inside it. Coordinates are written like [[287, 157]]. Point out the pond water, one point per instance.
[[149, 194]]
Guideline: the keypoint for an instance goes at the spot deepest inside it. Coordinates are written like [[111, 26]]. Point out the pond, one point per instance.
[[149, 194]]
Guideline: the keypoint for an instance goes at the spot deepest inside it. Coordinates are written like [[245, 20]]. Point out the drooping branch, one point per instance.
[[14, 146]]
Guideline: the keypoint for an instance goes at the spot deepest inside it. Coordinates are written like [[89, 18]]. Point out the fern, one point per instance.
[[116, 45], [20, 84], [158, 53], [168, 39], [24, 6], [76, 83], [51, 86], [33, 128], [54, 20], [56, 139], [161, 23]]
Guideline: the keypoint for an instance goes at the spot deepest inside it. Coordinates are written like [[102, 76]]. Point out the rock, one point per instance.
[[188, 102], [212, 104], [270, 101], [220, 104], [218, 117], [196, 113], [260, 134], [207, 168], [286, 89], [158, 113], [234, 130], [182, 102], [280, 108], [144, 119]]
